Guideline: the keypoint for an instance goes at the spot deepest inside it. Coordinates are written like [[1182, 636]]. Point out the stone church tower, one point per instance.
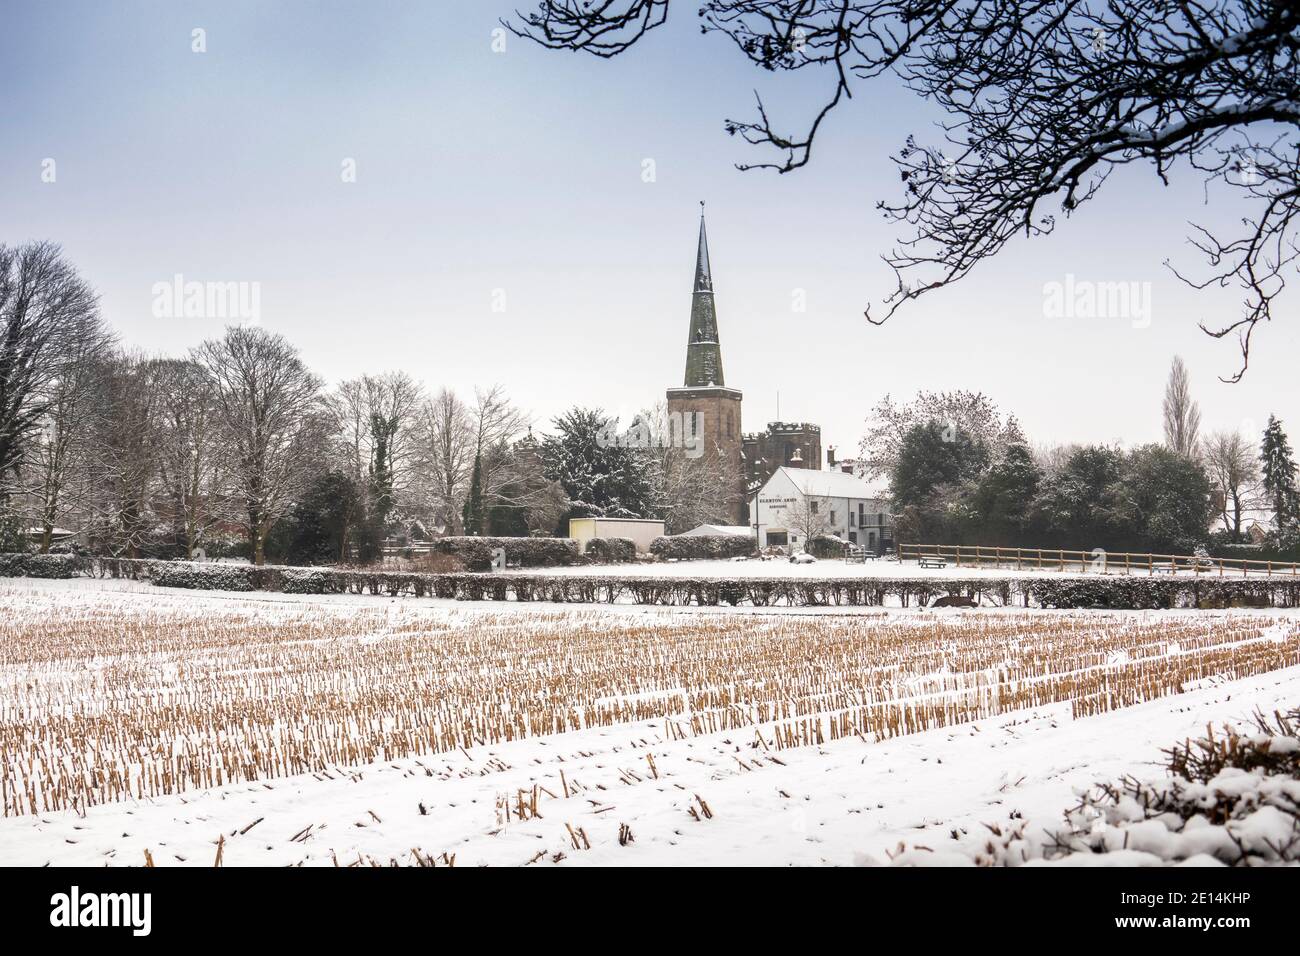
[[704, 404]]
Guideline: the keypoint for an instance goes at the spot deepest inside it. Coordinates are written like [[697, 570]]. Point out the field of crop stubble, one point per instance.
[[139, 698]]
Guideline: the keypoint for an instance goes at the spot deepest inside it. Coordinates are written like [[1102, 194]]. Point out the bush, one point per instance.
[[826, 546], [702, 547], [57, 566], [476, 552], [611, 550]]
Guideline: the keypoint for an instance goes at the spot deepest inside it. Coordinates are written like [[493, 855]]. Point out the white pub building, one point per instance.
[[797, 503]]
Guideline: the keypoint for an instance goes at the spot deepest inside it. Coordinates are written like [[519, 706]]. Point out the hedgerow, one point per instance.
[[476, 552], [59, 566], [701, 547], [1064, 591]]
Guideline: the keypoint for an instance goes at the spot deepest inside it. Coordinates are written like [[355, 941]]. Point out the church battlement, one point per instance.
[[782, 427]]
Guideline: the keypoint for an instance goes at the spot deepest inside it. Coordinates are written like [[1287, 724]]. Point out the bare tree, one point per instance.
[[125, 457], [1044, 99], [375, 422], [1234, 468], [266, 399], [971, 413], [809, 517], [497, 422], [446, 441], [366, 408], [190, 462], [48, 314], [1182, 415], [522, 495], [56, 461]]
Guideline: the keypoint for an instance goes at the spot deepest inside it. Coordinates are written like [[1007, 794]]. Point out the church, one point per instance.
[[705, 400]]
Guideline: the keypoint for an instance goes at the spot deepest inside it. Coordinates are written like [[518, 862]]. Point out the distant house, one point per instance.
[[1255, 531], [1256, 523], [797, 502]]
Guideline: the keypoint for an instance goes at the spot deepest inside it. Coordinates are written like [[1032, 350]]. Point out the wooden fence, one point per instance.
[[1098, 560]]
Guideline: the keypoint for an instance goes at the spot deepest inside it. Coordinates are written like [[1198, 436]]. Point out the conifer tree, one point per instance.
[[473, 510], [1279, 474]]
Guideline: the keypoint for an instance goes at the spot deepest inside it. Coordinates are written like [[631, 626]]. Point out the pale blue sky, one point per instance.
[[522, 171]]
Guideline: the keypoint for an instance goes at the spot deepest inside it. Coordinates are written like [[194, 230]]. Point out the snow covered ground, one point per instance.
[[843, 803], [714, 798]]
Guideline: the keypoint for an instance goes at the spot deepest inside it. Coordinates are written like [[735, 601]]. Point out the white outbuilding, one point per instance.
[[798, 503], [642, 531]]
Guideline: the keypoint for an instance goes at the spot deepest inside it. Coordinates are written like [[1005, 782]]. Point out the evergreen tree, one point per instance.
[[1160, 503], [1279, 474], [378, 503], [935, 454], [602, 475], [472, 512], [382, 431], [316, 530], [933, 482], [1004, 496], [1071, 507], [1181, 413]]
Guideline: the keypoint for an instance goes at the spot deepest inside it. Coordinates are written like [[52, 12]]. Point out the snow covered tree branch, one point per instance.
[[1044, 99]]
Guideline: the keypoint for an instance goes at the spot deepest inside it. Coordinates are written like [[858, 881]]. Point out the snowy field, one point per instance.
[[139, 721]]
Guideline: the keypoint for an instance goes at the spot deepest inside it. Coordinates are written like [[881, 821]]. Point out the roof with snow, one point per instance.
[[830, 484], [739, 530]]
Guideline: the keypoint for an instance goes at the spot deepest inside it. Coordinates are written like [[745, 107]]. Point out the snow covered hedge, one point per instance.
[[205, 577], [1063, 591], [701, 547], [1227, 800], [1071, 591], [476, 552], [43, 565], [611, 550]]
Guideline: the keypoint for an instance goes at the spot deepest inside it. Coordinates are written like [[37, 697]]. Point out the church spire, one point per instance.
[[703, 351], [703, 275]]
